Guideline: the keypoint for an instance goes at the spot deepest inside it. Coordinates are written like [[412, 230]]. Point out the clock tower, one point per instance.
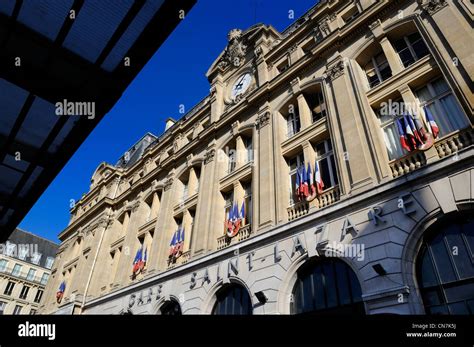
[[241, 68]]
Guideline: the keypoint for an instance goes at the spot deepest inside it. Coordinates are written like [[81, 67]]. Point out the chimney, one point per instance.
[[169, 123]]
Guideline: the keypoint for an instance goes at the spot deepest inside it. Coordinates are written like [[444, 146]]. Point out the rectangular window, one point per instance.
[[248, 203], [390, 131], [248, 148], [49, 262], [3, 265], [16, 270], [38, 296], [327, 165], [31, 275], [410, 48], [293, 164], [32, 311], [24, 292], [3, 306], [293, 122], [44, 278], [377, 70], [439, 99], [232, 160], [9, 288], [317, 105], [17, 309], [197, 171], [185, 191]]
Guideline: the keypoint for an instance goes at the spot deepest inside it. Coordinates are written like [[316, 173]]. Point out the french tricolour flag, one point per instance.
[[409, 133], [403, 136], [305, 182], [310, 179], [297, 184], [318, 178], [430, 120]]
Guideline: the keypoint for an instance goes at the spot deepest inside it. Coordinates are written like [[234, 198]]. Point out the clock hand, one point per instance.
[[240, 83]]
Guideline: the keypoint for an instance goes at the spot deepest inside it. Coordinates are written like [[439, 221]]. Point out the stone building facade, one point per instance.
[[313, 93], [25, 267]]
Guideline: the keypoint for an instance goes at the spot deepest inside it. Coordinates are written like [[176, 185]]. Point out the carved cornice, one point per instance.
[[433, 6]]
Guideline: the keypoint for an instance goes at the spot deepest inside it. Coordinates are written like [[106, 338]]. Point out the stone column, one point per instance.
[[240, 155], [155, 205], [192, 182], [392, 56], [130, 246], [442, 18], [348, 133], [100, 251], [217, 99], [165, 225], [265, 170], [204, 230], [238, 194], [262, 67], [304, 112], [187, 222]]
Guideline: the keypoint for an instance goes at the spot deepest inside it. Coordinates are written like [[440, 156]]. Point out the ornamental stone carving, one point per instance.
[[335, 71], [209, 156], [263, 120], [433, 6], [235, 51], [168, 183]]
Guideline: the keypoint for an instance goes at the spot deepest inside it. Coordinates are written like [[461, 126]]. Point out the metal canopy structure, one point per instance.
[[75, 52]]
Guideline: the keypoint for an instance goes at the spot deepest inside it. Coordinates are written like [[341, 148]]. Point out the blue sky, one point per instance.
[[175, 75]]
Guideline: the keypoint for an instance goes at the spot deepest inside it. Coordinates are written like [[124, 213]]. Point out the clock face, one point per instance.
[[241, 85]]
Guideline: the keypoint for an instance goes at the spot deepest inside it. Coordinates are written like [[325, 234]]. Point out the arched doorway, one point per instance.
[[171, 308], [445, 267], [232, 299], [326, 286]]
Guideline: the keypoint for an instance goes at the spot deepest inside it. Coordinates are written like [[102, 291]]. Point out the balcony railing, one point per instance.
[[298, 210], [244, 233], [24, 276], [328, 197], [408, 163], [446, 146], [182, 259], [185, 257], [454, 143]]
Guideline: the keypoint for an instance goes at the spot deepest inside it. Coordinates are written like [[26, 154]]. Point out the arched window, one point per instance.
[[232, 300], [445, 267], [327, 287], [171, 308]]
